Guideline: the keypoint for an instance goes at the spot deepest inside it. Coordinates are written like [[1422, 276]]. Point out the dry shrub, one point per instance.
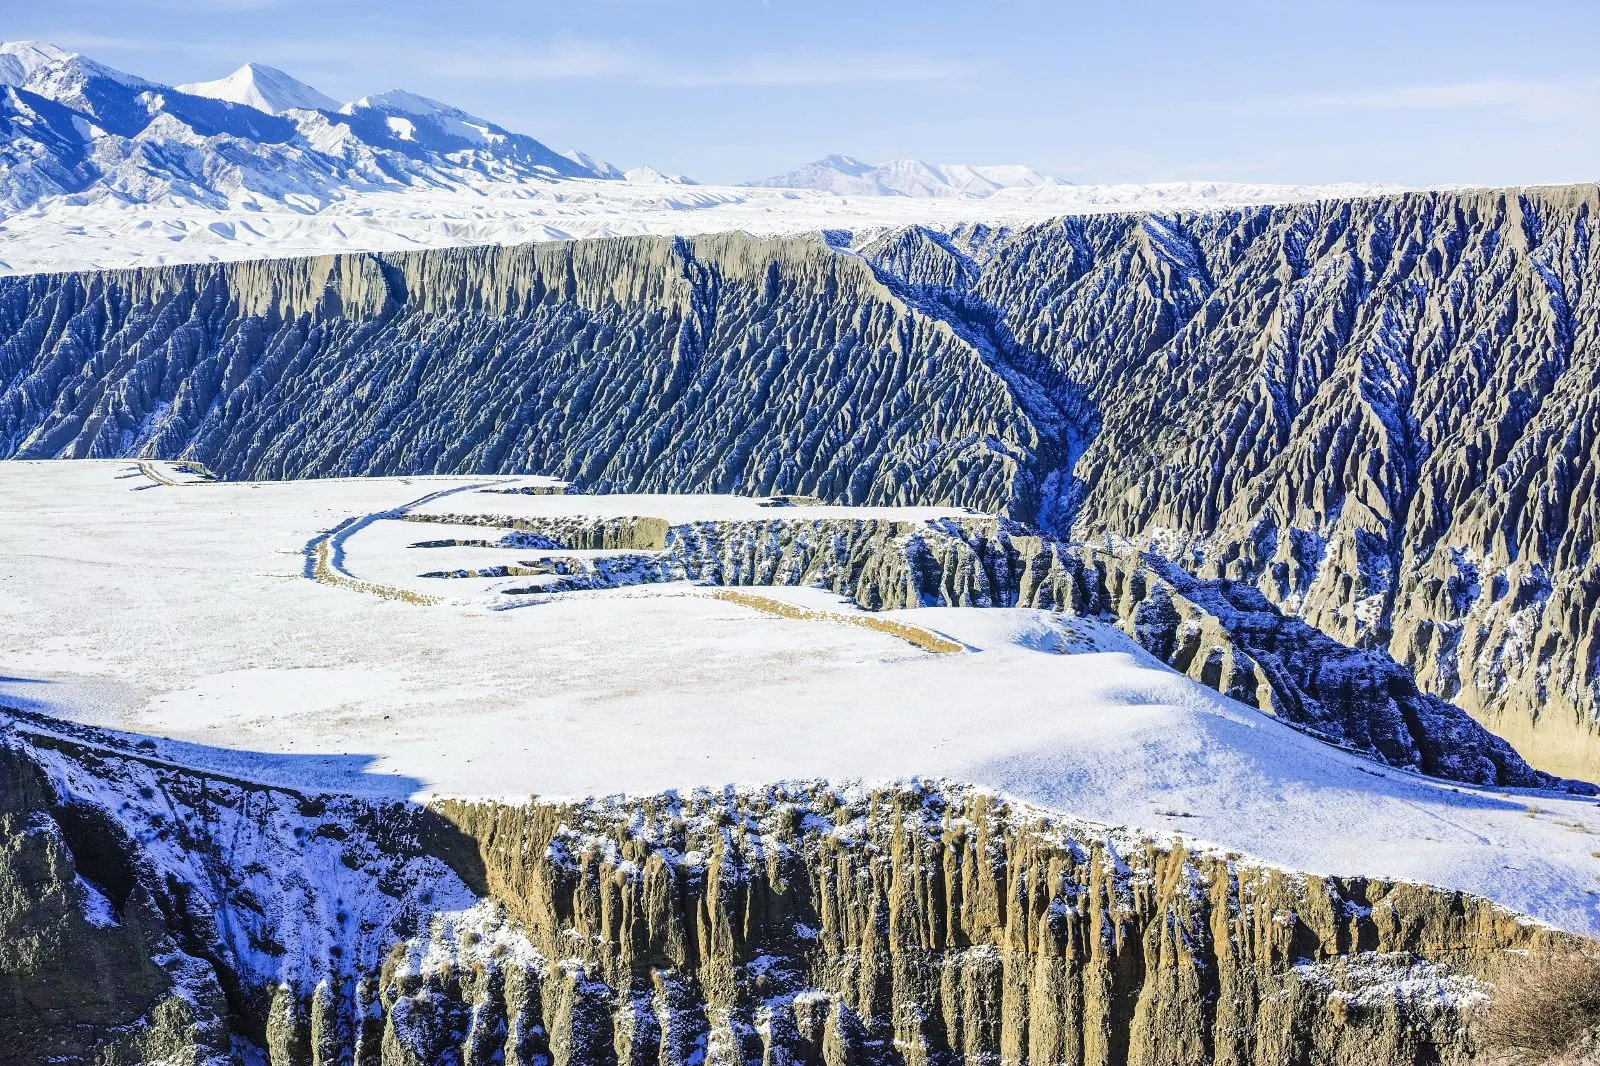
[[1547, 1013]]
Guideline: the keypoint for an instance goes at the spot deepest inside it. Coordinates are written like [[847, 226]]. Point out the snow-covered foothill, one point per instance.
[[846, 175], [648, 175], [600, 167], [63, 235]]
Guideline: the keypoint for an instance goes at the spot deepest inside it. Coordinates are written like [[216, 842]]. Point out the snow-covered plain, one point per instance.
[[60, 234], [186, 612]]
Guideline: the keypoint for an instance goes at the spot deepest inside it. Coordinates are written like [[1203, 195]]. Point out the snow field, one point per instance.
[[61, 235], [185, 613]]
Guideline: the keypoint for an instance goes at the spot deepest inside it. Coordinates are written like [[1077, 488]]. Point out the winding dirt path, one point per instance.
[[325, 551]]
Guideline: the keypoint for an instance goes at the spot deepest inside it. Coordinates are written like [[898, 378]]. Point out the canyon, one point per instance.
[[1377, 412]]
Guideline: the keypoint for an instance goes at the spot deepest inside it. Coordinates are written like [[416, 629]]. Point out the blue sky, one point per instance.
[[1413, 91]]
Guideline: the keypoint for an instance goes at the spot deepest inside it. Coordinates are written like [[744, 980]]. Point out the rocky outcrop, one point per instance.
[[806, 923], [90, 970], [1379, 412], [939, 926]]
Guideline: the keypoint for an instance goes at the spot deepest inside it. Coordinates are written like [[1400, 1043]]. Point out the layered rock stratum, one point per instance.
[[1379, 412]]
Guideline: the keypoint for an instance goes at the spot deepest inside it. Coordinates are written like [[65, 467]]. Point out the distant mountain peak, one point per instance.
[[31, 55], [400, 101], [424, 120], [844, 164], [648, 175], [263, 88], [397, 101], [601, 168], [256, 138], [848, 176], [36, 64]]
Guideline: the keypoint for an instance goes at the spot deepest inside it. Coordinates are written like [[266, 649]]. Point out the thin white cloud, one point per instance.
[[94, 45], [569, 60], [798, 68], [575, 60], [93, 42], [1538, 99], [214, 5]]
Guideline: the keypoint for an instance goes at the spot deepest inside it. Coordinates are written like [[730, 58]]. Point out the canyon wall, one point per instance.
[[1380, 412]]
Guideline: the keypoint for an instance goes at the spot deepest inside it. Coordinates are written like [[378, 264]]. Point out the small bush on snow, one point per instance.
[[1548, 1013]]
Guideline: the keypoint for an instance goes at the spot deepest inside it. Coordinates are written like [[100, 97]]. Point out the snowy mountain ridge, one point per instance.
[[599, 166], [74, 129], [54, 72], [648, 175]]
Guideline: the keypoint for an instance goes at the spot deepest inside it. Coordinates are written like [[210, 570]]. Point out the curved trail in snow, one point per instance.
[[325, 552]]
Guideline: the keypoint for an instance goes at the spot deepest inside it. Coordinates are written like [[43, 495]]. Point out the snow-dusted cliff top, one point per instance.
[[60, 236]]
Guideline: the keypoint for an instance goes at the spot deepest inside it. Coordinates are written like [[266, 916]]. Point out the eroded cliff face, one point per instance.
[[88, 966], [1380, 412], [722, 364], [797, 924]]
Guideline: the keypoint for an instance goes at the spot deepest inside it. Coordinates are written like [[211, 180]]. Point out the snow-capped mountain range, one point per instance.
[[101, 168], [75, 127], [70, 126], [847, 176]]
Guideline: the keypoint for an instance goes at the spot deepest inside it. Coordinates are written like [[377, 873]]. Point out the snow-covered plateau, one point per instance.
[[355, 636], [99, 168], [59, 235]]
